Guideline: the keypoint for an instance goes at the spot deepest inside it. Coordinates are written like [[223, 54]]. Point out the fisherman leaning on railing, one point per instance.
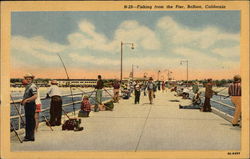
[[55, 104], [234, 91]]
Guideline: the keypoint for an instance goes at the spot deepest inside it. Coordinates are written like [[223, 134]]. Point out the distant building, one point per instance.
[[76, 82]]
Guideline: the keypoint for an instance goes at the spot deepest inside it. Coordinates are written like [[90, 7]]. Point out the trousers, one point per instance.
[[236, 100], [150, 95], [55, 110], [30, 109], [137, 96]]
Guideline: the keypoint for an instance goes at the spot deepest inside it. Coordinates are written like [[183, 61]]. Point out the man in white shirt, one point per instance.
[[185, 93], [55, 104]]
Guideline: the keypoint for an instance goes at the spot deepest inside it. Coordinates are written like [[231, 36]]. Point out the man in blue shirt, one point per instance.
[[29, 97]]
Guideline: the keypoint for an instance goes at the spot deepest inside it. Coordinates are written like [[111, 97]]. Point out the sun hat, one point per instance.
[[54, 82], [29, 75], [237, 78]]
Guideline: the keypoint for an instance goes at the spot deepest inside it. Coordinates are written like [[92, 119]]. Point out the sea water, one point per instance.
[[17, 94]]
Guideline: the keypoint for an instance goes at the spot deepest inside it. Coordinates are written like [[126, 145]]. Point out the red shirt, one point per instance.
[[86, 106]]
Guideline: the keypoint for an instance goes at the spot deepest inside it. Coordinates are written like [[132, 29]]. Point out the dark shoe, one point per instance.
[[180, 107], [26, 140], [236, 124]]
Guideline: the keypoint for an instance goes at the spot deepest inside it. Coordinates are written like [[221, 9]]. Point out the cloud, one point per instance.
[[37, 47], [128, 31], [198, 59], [88, 46], [232, 52], [142, 36], [87, 37], [142, 62], [88, 59], [200, 38]]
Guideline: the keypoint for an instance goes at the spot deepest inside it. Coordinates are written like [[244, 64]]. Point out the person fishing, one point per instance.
[[208, 95], [163, 86], [99, 87], [234, 91], [29, 97], [116, 90], [85, 106], [150, 87], [55, 104]]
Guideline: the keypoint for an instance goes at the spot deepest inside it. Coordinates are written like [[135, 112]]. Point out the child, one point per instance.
[[85, 106], [38, 109]]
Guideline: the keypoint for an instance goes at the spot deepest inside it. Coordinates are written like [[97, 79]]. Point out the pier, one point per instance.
[[141, 127]]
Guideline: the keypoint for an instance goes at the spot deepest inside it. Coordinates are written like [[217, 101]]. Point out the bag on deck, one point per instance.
[[83, 113], [109, 105], [72, 124]]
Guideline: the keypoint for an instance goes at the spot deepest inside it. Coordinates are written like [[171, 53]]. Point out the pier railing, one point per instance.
[[91, 93], [219, 112]]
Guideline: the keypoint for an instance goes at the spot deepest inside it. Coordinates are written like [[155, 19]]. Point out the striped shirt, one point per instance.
[[234, 89]]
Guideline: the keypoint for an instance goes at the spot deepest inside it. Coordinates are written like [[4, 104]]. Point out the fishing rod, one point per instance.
[[17, 110], [12, 128], [66, 113], [86, 92], [91, 97], [108, 92], [72, 97], [47, 122]]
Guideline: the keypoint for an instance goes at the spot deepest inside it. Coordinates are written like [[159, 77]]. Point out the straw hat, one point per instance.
[[29, 75], [237, 78], [54, 82], [85, 97]]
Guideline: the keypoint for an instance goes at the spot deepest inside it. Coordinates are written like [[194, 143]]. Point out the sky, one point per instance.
[[89, 43]]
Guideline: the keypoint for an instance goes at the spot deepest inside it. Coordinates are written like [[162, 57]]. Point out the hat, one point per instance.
[[209, 80], [150, 78], [29, 75], [53, 82], [237, 78], [85, 97]]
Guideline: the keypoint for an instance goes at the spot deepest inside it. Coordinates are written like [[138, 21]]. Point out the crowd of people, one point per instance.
[[32, 102]]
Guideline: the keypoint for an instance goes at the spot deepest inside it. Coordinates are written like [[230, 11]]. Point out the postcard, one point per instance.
[[124, 79]]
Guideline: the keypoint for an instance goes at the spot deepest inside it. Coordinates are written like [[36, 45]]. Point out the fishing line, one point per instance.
[[72, 97]]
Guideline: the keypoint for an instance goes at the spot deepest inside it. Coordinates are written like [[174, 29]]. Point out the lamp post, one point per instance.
[[158, 75], [133, 71], [183, 61], [168, 74], [132, 47]]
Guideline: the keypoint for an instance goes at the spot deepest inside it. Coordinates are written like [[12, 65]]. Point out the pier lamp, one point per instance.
[[133, 70], [185, 61], [168, 74], [132, 47], [158, 75]]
